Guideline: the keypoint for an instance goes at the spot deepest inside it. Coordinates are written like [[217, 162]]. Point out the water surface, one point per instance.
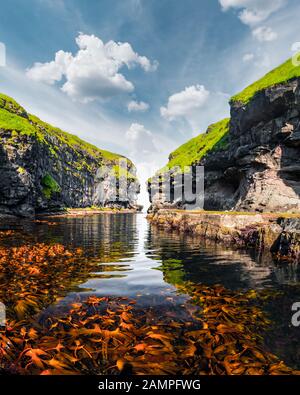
[[135, 260]]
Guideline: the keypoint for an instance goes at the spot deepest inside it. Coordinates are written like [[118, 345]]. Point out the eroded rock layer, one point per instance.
[[257, 168], [279, 236], [43, 168]]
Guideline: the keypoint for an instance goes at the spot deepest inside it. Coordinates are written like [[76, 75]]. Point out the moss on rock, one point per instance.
[[50, 186]]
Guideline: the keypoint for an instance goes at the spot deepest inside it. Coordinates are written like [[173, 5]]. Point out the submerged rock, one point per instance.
[[264, 232]]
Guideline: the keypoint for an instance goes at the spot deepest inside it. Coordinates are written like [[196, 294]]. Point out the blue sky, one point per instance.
[[149, 74]]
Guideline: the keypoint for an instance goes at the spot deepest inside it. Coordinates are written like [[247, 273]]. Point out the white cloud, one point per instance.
[[53, 71], [264, 33], [248, 57], [137, 106], [54, 107], [140, 139], [184, 103], [94, 71], [253, 11]]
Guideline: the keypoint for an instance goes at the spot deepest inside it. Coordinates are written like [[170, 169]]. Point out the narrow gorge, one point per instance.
[[251, 165]]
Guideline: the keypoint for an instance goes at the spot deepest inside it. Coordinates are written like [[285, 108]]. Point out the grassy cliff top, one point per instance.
[[195, 149], [13, 117], [283, 73], [11, 105]]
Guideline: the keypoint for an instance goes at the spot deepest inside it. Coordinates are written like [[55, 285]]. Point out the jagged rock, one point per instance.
[[268, 233], [265, 128], [43, 168], [260, 168]]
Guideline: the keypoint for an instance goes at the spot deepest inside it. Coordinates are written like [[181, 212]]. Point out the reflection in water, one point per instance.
[[189, 259], [127, 257]]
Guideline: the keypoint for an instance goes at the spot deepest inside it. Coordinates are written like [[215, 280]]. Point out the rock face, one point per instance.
[[43, 168], [265, 232], [260, 168], [265, 150]]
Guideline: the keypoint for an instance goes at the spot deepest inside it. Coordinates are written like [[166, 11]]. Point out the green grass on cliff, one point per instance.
[[14, 119], [283, 73], [195, 149], [12, 122], [10, 104], [72, 140], [215, 138]]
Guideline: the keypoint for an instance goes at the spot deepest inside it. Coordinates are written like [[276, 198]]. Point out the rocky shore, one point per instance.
[[78, 212], [250, 187], [274, 233]]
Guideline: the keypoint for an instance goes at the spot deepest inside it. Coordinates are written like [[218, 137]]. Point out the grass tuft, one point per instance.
[[285, 72]]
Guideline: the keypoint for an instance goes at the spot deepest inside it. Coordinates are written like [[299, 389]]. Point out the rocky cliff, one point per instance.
[[252, 161], [43, 168]]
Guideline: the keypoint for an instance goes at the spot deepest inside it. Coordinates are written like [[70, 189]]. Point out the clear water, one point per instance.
[[139, 261]]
